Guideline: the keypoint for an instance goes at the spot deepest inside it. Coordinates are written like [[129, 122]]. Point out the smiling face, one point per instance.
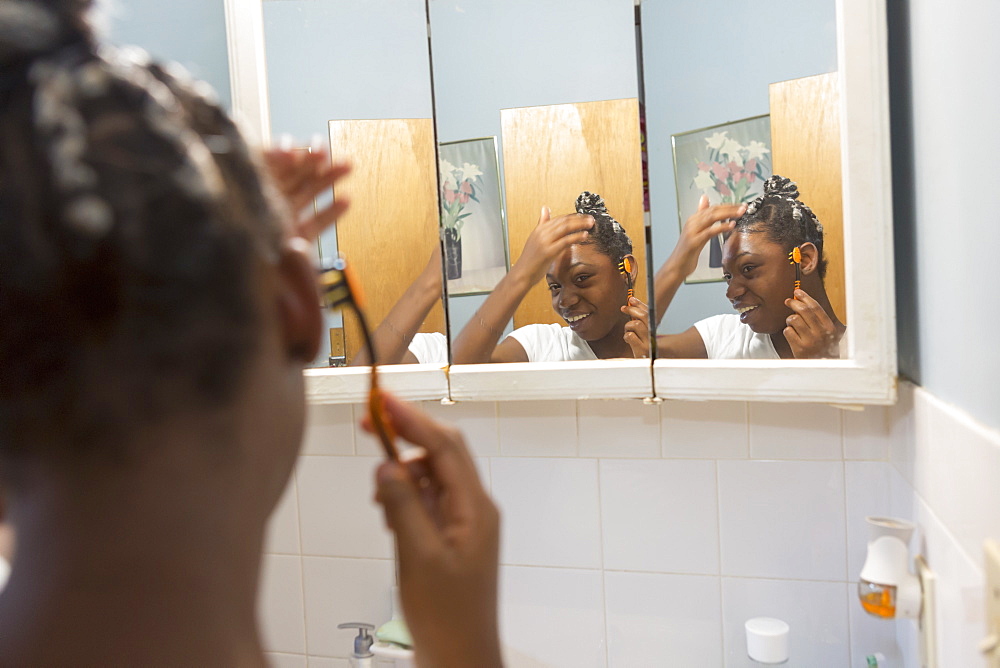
[[588, 292], [760, 279]]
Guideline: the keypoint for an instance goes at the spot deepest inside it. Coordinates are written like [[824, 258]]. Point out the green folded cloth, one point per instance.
[[394, 631]]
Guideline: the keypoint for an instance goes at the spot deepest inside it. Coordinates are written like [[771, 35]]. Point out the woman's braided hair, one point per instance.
[[607, 233], [784, 218], [132, 223]]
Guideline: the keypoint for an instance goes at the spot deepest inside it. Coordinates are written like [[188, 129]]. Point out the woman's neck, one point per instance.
[[123, 577], [612, 345]]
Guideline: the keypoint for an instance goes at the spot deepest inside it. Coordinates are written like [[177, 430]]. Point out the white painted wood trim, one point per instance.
[[248, 69], [349, 385], [600, 379]]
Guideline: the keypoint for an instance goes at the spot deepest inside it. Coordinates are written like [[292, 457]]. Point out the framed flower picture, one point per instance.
[[727, 162], [472, 216]]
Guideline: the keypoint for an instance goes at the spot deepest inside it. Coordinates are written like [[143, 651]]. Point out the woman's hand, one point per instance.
[[301, 177], [550, 238], [707, 222], [447, 538], [810, 331], [637, 329]]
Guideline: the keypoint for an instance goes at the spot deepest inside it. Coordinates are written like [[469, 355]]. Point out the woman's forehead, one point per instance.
[[744, 241], [587, 254]]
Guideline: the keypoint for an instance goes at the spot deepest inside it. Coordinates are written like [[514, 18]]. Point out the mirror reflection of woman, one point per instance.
[[773, 319], [579, 256]]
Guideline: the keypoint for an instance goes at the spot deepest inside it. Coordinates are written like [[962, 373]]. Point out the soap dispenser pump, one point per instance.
[[362, 655]]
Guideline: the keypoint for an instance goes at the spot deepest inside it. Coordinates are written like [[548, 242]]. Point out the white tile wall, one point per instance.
[[329, 430], [537, 428], [618, 429], [277, 660], [866, 434], [653, 616], [283, 526], [795, 431], [280, 607], [782, 519], [645, 536], [684, 432], [338, 514], [478, 421], [660, 516], [552, 617], [550, 510]]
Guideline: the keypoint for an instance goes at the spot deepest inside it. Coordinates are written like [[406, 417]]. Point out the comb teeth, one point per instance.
[[333, 288]]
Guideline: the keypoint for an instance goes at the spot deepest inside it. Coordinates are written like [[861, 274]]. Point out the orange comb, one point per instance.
[[795, 257], [626, 266]]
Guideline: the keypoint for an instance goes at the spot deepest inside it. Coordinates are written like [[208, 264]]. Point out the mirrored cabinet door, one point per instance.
[[555, 85], [731, 98], [333, 80]]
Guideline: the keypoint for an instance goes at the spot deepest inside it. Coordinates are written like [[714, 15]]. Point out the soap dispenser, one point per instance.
[[362, 655]]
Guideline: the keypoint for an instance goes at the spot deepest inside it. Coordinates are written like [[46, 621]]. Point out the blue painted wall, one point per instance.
[[945, 140], [191, 32]]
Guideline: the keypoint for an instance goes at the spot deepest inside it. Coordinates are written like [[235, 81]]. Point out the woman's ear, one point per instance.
[[298, 301], [810, 258]]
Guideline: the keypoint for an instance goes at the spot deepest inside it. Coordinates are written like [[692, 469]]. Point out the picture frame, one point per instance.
[[729, 163], [473, 221]]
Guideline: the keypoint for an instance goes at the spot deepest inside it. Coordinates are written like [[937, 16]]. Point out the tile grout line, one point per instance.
[[718, 530], [302, 565], [604, 584], [847, 529]]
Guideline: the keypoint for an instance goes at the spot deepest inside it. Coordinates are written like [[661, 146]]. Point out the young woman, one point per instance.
[[773, 319], [158, 306], [579, 257]]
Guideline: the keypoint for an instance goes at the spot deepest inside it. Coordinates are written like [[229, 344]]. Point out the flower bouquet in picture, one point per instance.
[[458, 188], [729, 163], [731, 174]]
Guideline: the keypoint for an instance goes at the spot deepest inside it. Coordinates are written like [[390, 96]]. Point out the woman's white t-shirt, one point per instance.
[[552, 343], [727, 338], [429, 348]]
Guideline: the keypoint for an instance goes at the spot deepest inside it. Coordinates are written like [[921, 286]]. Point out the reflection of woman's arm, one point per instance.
[[393, 335], [477, 343], [707, 221]]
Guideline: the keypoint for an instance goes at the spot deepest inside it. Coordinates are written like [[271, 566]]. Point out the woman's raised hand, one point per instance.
[[549, 238], [301, 177], [810, 332], [637, 329], [707, 222], [448, 541]]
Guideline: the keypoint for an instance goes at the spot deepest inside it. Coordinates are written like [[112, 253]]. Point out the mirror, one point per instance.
[[867, 372], [551, 100], [333, 85], [564, 114], [770, 107]]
